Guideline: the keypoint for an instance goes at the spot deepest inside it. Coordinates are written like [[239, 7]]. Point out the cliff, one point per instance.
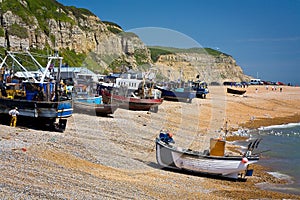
[[206, 64], [47, 24], [84, 40]]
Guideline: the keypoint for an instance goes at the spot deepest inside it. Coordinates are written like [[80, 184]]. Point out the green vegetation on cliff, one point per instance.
[[18, 30], [157, 51], [43, 10], [113, 27], [2, 33], [70, 57]]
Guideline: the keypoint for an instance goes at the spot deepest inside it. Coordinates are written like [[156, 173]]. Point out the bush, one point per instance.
[[112, 24], [2, 33], [114, 30], [18, 30]]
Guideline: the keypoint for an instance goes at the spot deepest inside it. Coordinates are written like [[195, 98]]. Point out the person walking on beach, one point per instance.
[[13, 113]]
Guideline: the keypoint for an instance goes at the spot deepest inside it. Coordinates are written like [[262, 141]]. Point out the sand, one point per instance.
[[114, 157]]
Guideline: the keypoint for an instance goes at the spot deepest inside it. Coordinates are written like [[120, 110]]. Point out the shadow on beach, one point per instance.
[[29, 123], [190, 173]]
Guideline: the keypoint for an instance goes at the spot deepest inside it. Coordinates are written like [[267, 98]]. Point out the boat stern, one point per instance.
[[64, 109]]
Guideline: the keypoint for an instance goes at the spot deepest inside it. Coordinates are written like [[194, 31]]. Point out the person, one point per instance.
[[13, 113], [53, 96], [40, 96], [166, 137]]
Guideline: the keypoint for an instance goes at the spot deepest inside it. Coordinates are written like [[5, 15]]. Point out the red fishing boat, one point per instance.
[[131, 93], [133, 101]]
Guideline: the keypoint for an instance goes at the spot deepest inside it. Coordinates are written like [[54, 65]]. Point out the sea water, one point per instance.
[[282, 155]]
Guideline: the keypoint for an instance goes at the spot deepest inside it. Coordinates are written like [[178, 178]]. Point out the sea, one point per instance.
[[280, 147]]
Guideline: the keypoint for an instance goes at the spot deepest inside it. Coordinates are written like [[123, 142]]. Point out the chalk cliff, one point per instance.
[[104, 47]]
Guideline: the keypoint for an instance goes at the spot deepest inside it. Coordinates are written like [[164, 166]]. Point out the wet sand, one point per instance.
[[114, 157]]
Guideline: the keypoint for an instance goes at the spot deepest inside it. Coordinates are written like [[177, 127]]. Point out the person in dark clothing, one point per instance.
[[3, 90], [40, 96]]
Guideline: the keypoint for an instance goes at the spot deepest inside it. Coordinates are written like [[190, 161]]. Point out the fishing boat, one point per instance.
[[201, 89], [92, 108], [91, 104], [132, 93], [37, 95], [177, 91], [213, 161], [177, 94], [235, 91]]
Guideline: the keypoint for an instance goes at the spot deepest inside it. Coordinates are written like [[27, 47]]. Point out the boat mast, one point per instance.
[[226, 129], [58, 72], [20, 65], [3, 61]]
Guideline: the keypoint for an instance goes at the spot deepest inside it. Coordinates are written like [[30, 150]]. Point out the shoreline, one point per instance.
[[264, 123], [287, 181], [96, 154]]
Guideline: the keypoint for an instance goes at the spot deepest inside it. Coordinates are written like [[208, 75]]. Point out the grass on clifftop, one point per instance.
[[156, 51]]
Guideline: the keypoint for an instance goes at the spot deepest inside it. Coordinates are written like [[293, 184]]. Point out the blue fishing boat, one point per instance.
[[177, 92], [37, 95], [201, 89], [91, 104]]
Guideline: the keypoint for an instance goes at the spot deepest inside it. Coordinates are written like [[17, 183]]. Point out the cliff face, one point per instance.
[[187, 66], [46, 24], [82, 33]]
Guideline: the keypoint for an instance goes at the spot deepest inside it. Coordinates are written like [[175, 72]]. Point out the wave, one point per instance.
[[281, 176], [263, 128], [286, 188]]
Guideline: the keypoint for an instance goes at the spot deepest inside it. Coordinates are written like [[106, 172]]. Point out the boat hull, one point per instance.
[[236, 91], [177, 158], [137, 104], [97, 109], [201, 92], [183, 96], [132, 103], [34, 109]]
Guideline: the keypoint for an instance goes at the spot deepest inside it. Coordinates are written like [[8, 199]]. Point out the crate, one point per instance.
[[217, 147]]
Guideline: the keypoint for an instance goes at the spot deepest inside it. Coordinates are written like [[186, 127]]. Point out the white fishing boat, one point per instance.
[[212, 161]]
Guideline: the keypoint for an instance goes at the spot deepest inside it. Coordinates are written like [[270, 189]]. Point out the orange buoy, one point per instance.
[[244, 160]]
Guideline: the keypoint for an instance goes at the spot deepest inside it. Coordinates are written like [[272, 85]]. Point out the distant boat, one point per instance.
[[235, 91], [178, 94], [91, 104], [38, 95], [177, 91], [211, 161], [201, 89]]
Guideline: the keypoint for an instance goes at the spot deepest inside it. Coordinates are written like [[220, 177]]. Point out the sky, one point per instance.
[[263, 36]]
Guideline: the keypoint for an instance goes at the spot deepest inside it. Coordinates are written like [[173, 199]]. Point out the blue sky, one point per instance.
[[262, 35]]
